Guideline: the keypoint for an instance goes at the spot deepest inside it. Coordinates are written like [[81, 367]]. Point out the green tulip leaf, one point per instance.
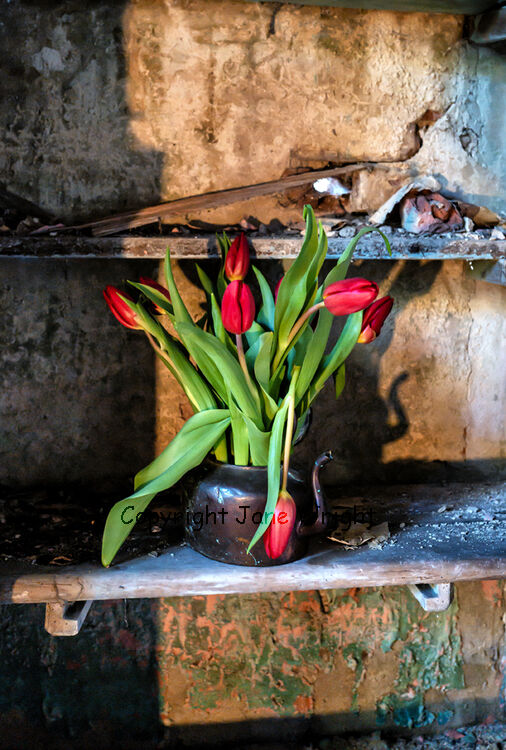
[[205, 282], [210, 353], [270, 406], [240, 443], [301, 426], [298, 354], [181, 314], [253, 333], [258, 442], [224, 245], [299, 284], [186, 451], [339, 353], [219, 329], [262, 364], [195, 387], [154, 295], [340, 380], [266, 313], [273, 471], [314, 353], [205, 363]]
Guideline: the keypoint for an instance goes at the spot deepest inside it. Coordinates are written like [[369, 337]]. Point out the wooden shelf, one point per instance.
[[439, 533], [370, 247]]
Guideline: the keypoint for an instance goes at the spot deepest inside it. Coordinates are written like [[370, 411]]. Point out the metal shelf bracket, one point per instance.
[[66, 618], [432, 597]]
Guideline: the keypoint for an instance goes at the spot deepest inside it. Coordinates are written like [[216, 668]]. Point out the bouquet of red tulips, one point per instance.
[[250, 376]]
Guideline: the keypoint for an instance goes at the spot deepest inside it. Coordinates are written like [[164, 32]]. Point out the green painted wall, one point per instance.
[[208, 669]]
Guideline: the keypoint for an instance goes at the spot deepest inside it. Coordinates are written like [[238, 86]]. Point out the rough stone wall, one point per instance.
[[77, 397], [117, 105], [250, 668]]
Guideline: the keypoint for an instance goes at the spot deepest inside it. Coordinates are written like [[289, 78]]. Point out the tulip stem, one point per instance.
[[244, 366], [296, 328], [290, 419], [158, 349]]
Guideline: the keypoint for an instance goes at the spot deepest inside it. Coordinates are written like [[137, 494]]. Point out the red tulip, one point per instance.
[[119, 308], [237, 307], [374, 317], [159, 288], [237, 261], [278, 532], [349, 296]]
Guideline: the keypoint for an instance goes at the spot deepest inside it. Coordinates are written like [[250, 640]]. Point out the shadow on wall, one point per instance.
[[77, 389], [403, 415], [63, 86], [77, 402]]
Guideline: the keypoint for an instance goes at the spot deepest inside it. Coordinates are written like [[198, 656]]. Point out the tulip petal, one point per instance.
[[237, 259], [349, 295], [118, 305], [283, 520], [237, 307]]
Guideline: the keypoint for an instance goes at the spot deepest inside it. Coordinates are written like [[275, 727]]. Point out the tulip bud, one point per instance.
[[278, 532], [159, 288], [349, 296], [374, 317], [119, 308], [237, 307], [237, 261]]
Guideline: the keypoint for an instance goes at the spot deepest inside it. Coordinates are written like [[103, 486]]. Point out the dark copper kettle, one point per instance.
[[225, 503]]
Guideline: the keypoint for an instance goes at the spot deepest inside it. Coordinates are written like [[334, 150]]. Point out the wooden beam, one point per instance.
[[181, 206]]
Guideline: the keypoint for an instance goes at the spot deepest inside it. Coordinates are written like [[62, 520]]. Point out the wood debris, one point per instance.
[[214, 199]]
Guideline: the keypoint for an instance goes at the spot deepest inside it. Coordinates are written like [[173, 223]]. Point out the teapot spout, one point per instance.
[[320, 518]]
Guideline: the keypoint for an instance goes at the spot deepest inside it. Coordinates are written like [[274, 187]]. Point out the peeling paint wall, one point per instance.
[[128, 103], [245, 668], [347, 660]]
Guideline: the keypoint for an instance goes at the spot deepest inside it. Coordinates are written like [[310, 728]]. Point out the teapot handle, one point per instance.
[[320, 522]]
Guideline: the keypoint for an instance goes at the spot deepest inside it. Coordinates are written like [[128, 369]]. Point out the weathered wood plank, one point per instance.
[[438, 534], [371, 247]]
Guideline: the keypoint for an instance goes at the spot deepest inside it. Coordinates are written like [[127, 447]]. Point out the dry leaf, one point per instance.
[[359, 534], [481, 216]]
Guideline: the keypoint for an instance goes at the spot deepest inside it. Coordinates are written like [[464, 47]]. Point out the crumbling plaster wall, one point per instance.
[[127, 103], [248, 668]]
